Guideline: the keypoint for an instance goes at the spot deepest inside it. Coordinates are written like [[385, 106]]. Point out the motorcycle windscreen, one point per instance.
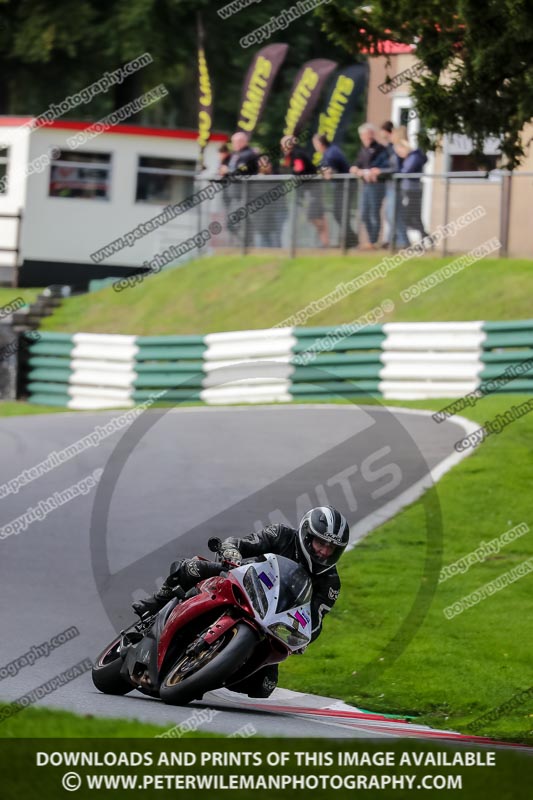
[[295, 585]]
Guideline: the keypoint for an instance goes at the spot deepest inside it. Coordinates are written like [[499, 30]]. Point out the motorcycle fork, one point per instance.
[[140, 650]]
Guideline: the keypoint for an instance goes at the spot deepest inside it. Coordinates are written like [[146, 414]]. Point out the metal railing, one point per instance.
[[344, 212]]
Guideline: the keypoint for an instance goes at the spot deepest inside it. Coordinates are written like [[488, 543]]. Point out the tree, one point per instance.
[[478, 76], [35, 34], [50, 49]]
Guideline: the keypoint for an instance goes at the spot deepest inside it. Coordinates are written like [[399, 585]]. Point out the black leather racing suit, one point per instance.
[[281, 540]]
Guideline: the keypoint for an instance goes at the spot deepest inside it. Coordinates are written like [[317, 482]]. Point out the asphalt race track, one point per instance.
[[170, 481]]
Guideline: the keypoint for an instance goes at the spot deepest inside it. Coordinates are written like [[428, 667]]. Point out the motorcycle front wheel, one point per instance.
[[193, 675], [106, 671]]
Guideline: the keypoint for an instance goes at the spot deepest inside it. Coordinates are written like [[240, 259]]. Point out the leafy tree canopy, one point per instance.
[[50, 49], [478, 77]]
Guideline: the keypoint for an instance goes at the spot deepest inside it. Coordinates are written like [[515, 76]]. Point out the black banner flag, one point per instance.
[[306, 92], [348, 87], [205, 96], [258, 83]]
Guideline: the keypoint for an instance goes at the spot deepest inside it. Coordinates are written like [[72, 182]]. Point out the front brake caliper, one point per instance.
[[197, 647]]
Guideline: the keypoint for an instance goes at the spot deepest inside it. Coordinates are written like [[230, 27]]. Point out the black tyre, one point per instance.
[[192, 676], [106, 671]]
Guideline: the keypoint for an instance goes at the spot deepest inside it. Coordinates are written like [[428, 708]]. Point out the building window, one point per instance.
[[459, 151], [405, 116], [462, 163], [81, 175], [4, 158], [164, 180]]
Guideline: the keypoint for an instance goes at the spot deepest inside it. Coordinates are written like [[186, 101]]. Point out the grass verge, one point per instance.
[[8, 295], [47, 723], [16, 408], [453, 670], [235, 293]]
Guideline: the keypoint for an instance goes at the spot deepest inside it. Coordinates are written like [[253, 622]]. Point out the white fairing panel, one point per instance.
[[264, 583]]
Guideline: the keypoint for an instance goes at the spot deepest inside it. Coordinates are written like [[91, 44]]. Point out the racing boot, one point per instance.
[[261, 684], [151, 605], [184, 574]]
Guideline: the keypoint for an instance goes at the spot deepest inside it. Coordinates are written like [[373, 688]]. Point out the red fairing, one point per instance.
[[214, 593]]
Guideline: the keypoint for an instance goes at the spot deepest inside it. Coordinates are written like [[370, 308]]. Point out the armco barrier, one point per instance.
[[327, 365], [507, 347], [395, 360], [430, 359]]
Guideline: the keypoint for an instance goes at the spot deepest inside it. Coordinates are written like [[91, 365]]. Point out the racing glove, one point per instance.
[[232, 554]]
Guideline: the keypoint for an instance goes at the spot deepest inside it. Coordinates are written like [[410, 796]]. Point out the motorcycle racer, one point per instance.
[[317, 545]]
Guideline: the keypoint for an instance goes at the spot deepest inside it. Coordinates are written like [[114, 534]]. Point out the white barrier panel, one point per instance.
[[447, 340], [420, 390], [100, 392], [86, 377], [436, 357], [117, 339], [245, 336], [436, 327], [430, 359], [102, 366], [250, 374], [108, 352], [92, 404], [211, 366], [251, 348], [447, 371], [238, 392]]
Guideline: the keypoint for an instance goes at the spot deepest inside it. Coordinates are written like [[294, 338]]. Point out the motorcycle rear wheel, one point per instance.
[[192, 676], [106, 671]]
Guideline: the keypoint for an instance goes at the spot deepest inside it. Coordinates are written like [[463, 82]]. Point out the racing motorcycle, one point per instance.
[[216, 635]]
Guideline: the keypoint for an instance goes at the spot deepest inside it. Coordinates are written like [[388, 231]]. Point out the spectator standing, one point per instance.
[[273, 217], [242, 162], [243, 158], [334, 162], [387, 133], [371, 160], [413, 160], [223, 155], [299, 163]]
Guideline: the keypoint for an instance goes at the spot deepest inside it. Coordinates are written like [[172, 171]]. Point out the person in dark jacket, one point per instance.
[[296, 159], [413, 161], [242, 163], [387, 135], [334, 162], [272, 219], [332, 156], [317, 544], [372, 158], [243, 158]]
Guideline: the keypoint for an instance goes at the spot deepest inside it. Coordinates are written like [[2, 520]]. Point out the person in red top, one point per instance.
[[297, 160]]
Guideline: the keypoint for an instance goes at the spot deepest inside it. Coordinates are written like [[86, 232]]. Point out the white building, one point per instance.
[[75, 197]]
